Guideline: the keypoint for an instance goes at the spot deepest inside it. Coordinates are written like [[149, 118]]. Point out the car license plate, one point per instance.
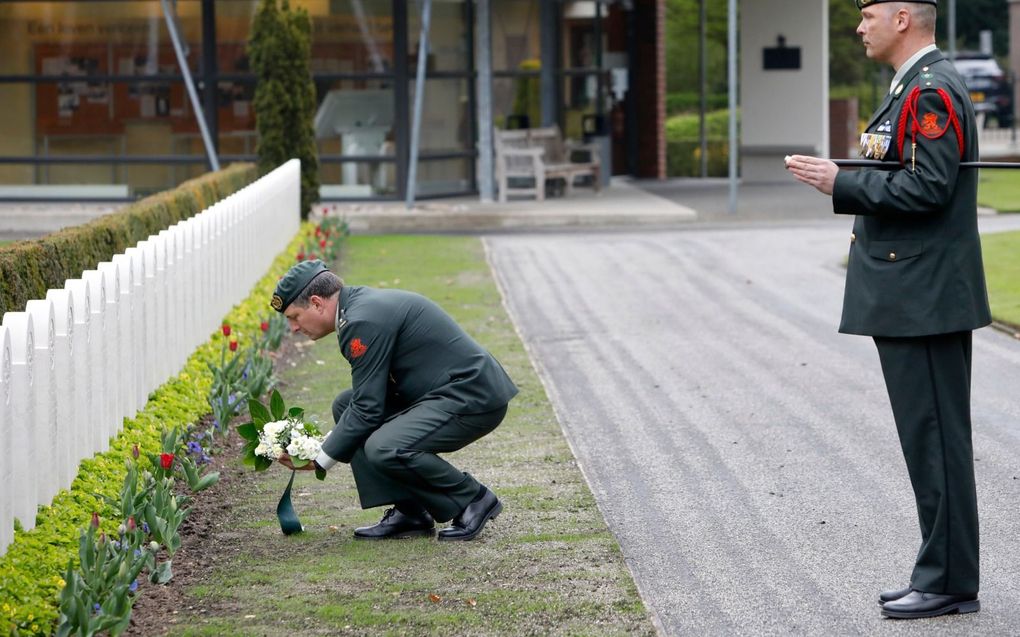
[[977, 97]]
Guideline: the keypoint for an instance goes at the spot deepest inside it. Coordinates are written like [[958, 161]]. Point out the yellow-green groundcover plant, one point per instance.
[[31, 570]]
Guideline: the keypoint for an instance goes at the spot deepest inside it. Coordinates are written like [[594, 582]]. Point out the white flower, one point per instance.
[[273, 429], [264, 450]]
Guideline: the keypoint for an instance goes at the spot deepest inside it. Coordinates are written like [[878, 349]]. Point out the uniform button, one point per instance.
[[892, 256], [925, 69], [853, 237]]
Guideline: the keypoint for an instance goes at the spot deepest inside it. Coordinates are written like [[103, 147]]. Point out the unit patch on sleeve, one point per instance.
[[358, 348]]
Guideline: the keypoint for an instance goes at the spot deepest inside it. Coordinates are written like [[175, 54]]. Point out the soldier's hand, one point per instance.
[[813, 171], [286, 461]]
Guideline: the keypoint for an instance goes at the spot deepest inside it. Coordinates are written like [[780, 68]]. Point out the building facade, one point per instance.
[[93, 92]]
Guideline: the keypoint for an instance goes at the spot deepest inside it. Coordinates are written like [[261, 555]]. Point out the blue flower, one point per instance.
[[194, 447], [138, 552], [145, 527], [96, 608], [134, 586]]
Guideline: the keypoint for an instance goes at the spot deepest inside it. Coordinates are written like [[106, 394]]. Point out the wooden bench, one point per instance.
[[539, 154]]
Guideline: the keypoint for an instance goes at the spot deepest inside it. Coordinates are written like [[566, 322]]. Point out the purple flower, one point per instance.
[[194, 447], [145, 527], [133, 587], [204, 459], [96, 608]]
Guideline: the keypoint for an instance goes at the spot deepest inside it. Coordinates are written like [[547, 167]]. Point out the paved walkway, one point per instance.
[[741, 450]]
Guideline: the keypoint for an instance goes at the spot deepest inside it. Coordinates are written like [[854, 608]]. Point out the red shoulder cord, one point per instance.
[[910, 110]]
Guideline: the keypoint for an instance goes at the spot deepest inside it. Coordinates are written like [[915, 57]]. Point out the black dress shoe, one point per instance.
[[396, 524], [892, 596], [472, 519], [916, 604]]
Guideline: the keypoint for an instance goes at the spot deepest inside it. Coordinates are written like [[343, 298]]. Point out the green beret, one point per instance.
[[294, 283], [867, 3]]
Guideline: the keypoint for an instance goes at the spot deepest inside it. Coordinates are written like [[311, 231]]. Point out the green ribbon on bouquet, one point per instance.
[[289, 522]]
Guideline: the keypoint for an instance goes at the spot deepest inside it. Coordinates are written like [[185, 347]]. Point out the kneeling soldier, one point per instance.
[[420, 386]]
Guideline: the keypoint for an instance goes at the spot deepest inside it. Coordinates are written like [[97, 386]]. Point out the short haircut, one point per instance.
[[923, 15], [325, 284]]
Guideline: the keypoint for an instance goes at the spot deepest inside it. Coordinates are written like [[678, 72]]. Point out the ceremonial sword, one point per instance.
[[891, 165]]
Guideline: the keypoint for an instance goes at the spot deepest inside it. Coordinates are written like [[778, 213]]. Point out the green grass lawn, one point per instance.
[[1000, 189], [1002, 266], [547, 566]]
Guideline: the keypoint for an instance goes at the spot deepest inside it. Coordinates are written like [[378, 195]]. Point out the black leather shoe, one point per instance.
[[916, 604], [892, 596], [472, 519], [395, 524]]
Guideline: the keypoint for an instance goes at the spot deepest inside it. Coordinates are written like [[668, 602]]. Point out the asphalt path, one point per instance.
[[742, 451]]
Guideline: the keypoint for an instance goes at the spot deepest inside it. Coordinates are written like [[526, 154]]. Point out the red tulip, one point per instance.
[[264, 326], [226, 330], [322, 244], [300, 256], [233, 346], [166, 460], [131, 526], [95, 520], [318, 230]]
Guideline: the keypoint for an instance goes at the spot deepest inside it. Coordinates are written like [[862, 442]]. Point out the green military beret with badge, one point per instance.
[[294, 283], [867, 3]]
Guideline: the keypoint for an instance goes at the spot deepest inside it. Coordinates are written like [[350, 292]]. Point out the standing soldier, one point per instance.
[[915, 283], [420, 386]]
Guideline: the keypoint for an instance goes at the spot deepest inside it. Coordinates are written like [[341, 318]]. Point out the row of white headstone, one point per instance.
[[78, 362]]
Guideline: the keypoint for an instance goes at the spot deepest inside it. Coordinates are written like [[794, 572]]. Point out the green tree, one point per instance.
[[682, 33], [280, 52]]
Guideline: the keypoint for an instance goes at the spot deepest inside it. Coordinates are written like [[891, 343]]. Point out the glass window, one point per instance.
[[446, 118], [515, 35], [448, 37], [443, 177]]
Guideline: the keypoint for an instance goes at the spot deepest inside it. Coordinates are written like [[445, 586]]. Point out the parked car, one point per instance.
[[990, 88]]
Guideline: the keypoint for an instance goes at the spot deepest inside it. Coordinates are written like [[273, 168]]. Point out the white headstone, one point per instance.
[[172, 293], [115, 320], [156, 320], [43, 370], [86, 380], [129, 303], [6, 479], [22, 438], [64, 384], [142, 312], [102, 357]]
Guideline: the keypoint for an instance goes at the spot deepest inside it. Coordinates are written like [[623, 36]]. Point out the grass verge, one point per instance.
[[547, 566], [999, 189], [1002, 268]]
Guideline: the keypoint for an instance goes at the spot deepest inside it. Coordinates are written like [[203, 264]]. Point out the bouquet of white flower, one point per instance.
[[276, 430], [300, 440], [272, 432]]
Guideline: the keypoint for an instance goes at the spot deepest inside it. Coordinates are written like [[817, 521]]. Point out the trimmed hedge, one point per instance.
[[29, 268], [31, 570]]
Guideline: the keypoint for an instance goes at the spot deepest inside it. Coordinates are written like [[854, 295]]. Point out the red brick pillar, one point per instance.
[[650, 92]]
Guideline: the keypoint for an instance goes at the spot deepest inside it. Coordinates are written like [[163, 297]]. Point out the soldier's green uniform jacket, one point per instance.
[[405, 350], [915, 257]]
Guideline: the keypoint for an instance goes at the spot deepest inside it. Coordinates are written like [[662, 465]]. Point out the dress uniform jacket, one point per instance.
[[404, 350], [915, 257]]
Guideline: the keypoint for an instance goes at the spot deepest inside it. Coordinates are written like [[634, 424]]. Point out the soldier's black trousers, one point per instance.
[[928, 379], [398, 462]]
